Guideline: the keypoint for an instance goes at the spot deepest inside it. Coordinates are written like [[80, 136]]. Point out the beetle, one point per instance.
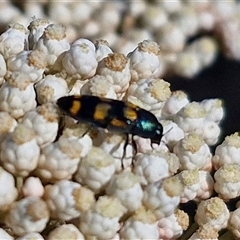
[[113, 115]]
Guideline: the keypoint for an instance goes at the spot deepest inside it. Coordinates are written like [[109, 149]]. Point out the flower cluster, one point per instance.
[[126, 23], [70, 181]]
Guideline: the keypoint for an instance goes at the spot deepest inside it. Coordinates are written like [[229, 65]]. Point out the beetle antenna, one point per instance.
[[167, 131]]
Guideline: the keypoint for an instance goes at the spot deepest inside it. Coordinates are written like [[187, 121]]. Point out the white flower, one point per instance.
[[211, 132], [7, 125], [233, 222], [80, 61], [191, 184], [187, 64], [144, 60], [17, 95], [172, 227], [126, 187], [96, 169], [228, 151], [163, 197], [57, 10], [44, 120], [102, 219], [141, 225], [136, 9], [98, 86], [174, 103], [32, 187], [207, 20], [116, 68], [171, 38], [32, 9], [13, 40], [110, 17], [214, 109], [186, 21], [225, 10], [206, 231], [31, 63], [36, 30], [59, 160], [20, 151], [91, 29], [77, 13], [198, 55], [8, 13], [27, 215], [113, 144], [67, 199], [53, 42], [77, 132], [51, 88], [191, 118], [150, 94], [77, 86], [137, 35], [213, 212], [143, 145], [228, 28], [227, 181], [206, 185], [172, 133], [81, 42], [66, 231], [151, 167], [154, 17], [8, 192], [102, 49], [193, 152], [206, 49]]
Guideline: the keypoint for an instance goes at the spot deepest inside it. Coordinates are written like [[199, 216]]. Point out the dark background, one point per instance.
[[221, 80]]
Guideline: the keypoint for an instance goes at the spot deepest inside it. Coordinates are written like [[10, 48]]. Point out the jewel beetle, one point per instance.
[[113, 115]]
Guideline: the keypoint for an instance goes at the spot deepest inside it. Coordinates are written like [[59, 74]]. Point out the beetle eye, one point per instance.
[[158, 132]]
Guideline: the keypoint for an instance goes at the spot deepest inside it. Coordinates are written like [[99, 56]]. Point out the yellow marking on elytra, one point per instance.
[[76, 106], [118, 123], [101, 111], [130, 113]]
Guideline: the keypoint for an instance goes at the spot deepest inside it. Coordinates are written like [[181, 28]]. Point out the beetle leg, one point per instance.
[[88, 130], [134, 145], [124, 150]]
